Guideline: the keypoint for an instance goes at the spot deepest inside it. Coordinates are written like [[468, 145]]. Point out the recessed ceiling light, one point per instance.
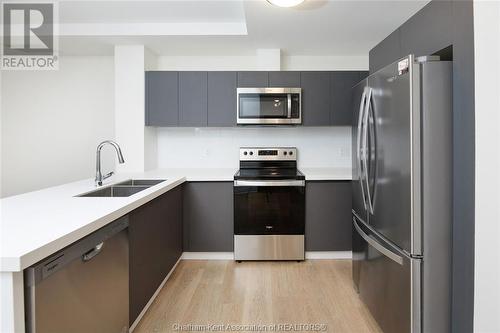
[[285, 3]]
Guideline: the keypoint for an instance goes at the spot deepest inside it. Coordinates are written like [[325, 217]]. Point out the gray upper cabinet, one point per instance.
[[253, 79], [222, 98], [162, 103], [386, 52], [316, 100], [199, 99], [193, 99], [341, 83], [284, 79], [428, 31]]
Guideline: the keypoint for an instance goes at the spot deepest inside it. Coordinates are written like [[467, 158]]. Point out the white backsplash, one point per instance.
[[320, 147]]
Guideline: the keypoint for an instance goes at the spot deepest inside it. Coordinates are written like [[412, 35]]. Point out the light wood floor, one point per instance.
[[225, 292]]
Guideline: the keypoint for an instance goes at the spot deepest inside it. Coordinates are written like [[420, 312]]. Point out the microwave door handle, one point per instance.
[[365, 150], [358, 145], [289, 106]]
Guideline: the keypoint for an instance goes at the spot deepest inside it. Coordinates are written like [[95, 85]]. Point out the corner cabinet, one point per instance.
[[201, 99], [155, 245]]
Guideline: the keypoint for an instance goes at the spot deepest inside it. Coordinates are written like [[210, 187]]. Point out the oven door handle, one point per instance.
[[269, 183]]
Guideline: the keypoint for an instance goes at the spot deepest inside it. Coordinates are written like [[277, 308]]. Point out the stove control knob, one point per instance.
[[290, 153], [284, 153], [251, 153], [245, 153]]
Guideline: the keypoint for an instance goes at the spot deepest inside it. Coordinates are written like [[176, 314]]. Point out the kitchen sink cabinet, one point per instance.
[[193, 99], [162, 99], [341, 83], [222, 99], [328, 216], [208, 217], [155, 245]]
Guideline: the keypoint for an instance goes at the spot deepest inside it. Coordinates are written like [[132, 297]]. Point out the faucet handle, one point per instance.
[[108, 175]]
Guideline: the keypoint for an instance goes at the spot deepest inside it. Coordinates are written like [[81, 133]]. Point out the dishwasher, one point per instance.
[[82, 288]]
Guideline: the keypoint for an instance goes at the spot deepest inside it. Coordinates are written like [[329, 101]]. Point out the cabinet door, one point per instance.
[[222, 98], [208, 216], [162, 103], [155, 245], [434, 21], [328, 216], [193, 99], [315, 98], [253, 79], [386, 52], [341, 85], [284, 79]]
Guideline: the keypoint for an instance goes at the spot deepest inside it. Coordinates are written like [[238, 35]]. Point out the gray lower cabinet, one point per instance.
[[341, 83], [155, 245], [284, 79], [162, 99], [208, 217], [328, 216], [222, 98], [316, 99], [253, 79], [193, 99]]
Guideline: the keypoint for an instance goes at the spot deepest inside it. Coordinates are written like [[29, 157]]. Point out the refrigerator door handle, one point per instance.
[[358, 145], [365, 150], [379, 247]]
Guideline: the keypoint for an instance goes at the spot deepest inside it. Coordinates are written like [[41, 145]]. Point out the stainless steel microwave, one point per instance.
[[269, 106]]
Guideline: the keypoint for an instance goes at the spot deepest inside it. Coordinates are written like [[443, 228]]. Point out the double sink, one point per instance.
[[123, 189]]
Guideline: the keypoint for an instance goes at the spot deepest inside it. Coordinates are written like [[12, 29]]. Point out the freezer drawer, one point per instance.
[[388, 281], [83, 288]]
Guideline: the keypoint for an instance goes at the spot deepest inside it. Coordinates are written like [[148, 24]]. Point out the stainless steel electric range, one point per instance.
[[269, 205]]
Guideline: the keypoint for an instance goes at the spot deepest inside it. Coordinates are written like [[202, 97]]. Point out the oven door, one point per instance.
[[269, 207]]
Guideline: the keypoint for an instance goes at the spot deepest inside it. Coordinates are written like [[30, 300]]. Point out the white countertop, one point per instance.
[[37, 224], [327, 173]]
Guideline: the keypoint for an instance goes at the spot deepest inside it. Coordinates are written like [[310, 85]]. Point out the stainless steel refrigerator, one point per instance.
[[402, 194]]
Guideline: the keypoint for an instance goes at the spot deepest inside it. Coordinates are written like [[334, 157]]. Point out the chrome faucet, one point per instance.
[[98, 175]]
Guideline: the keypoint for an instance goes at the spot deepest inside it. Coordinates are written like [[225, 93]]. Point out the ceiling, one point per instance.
[[230, 27]]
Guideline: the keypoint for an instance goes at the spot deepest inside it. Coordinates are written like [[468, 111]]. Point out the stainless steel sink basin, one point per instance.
[[123, 189], [141, 182], [114, 191]]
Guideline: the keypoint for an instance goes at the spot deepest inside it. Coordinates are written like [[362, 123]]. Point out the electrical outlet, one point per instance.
[[344, 152]]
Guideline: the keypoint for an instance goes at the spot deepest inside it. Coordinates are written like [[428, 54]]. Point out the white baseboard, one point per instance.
[[207, 256], [230, 255], [139, 317], [328, 255]]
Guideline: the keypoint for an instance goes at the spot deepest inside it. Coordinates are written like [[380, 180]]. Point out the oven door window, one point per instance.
[[263, 106], [260, 210]]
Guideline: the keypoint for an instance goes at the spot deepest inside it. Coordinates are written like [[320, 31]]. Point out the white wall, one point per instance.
[[251, 62], [218, 147], [52, 122], [487, 225]]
